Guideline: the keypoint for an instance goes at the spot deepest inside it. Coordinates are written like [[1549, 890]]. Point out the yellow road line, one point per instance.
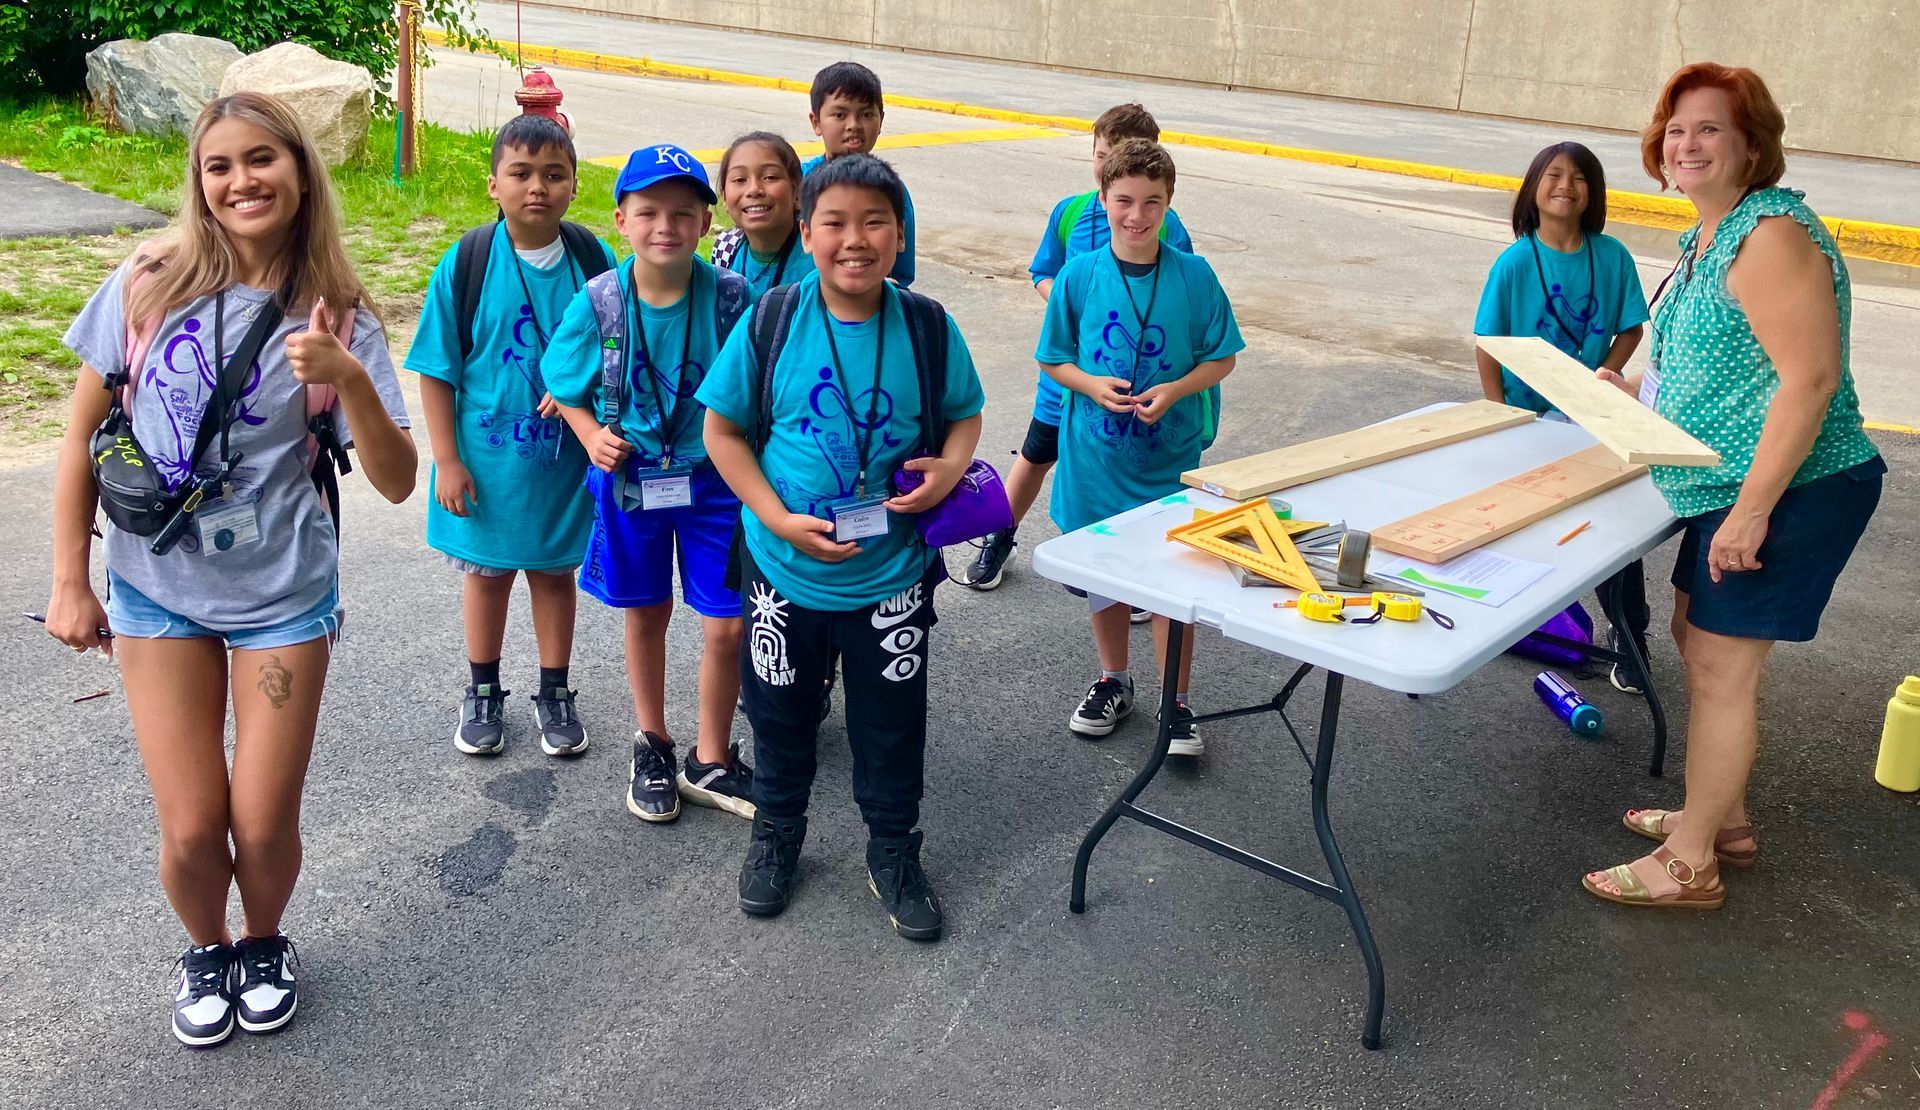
[[887, 142], [1903, 429], [1892, 243]]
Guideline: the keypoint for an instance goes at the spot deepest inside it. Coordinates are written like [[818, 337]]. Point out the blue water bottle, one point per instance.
[[1584, 718]]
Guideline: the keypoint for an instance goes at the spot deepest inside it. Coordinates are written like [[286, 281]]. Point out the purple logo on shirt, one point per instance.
[[183, 380], [835, 425]]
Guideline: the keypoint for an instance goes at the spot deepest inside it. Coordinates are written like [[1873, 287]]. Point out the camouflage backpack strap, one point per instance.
[[730, 299], [610, 314]]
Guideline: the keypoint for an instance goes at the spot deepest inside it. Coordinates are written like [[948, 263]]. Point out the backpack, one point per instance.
[[1076, 208], [470, 269], [610, 316], [327, 457]]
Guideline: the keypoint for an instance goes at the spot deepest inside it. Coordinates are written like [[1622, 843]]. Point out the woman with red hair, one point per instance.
[[1749, 354]]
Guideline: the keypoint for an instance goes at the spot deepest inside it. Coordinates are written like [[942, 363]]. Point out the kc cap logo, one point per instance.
[[649, 166]]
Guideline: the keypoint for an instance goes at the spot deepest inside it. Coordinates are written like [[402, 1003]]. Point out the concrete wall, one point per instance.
[[1847, 72]]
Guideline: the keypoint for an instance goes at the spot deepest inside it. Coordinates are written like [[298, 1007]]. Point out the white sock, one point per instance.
[[1122, 677]]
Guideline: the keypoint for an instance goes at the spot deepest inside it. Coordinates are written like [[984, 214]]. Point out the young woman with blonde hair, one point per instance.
[[246, 317]]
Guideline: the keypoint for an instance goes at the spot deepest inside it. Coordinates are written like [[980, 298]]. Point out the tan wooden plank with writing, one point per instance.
[[1635, 432], [1453, 529], [1258, 475]]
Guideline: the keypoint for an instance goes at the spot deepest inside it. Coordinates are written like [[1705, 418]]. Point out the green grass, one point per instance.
[[395, 233]]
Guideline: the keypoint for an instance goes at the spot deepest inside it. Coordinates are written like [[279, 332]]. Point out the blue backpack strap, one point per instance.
[[610, 315], [730, 299], [927, 330], [469, 275], [771, 321]]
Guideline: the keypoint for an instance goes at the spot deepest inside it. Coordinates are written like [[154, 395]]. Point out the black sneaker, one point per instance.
[[267, 995], [1625, 677], [896, 878], [561, 733], [1186, 735], [482, 730], [769, 875], [203, 1002], [987, 568], [727, 786], [650, 792], [1107, 703]]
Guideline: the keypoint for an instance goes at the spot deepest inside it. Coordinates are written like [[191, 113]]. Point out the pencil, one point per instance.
[[1584, 525]]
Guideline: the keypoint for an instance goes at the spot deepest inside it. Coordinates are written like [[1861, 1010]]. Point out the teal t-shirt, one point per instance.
[[1578, 301], [663, 373], [531, 511], [812, 455], [763, 274], [1109, 462]]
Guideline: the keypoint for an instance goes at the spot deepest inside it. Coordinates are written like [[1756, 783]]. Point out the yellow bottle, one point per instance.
[[1899, 765]]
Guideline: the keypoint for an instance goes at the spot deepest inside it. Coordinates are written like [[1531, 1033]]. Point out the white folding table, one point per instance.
[[1129, 559]]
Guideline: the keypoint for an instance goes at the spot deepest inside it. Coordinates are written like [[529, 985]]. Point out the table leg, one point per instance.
[[1616, 615], [1176, 643], [1329, 847]]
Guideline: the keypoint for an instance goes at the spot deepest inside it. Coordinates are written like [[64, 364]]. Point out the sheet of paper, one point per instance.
[[1478, 576]]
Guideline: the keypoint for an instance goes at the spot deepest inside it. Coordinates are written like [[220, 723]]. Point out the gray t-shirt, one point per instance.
[[271, 553]]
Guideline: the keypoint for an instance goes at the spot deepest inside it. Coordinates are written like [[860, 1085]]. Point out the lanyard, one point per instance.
[[1140, 318], [220, 402], [668, 434], [779, 268], [862, 432], [1578, 335], [1660, 333], [520, 271]]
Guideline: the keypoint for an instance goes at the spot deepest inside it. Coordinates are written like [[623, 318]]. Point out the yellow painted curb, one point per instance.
[[1903, 429], [1893, 243], [887, 142]]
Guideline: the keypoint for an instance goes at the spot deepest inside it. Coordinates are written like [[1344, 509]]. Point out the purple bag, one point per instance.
[[1571, 623], [976, 506]]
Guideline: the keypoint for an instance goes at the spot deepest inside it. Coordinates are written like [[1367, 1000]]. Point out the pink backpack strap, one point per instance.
[[140, 336]]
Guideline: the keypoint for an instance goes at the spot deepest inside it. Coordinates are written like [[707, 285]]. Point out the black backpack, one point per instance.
[[470, 269]]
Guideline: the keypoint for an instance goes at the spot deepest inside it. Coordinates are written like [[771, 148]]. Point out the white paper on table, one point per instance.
[[1483, 577]]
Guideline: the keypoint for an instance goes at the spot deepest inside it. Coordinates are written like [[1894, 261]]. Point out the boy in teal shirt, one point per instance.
[[832, 562], [848, 111], [1138, 333], [624, 366], [506, 475]]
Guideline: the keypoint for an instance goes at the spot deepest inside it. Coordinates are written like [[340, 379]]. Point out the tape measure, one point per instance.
[[1401, 607], [1322, 607]]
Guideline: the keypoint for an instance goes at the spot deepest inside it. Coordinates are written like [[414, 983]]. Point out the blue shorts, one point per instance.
[[133, 614], [1810, 535], [630, 554]]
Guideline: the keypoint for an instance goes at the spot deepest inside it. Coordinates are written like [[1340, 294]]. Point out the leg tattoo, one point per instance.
[[276, 681]]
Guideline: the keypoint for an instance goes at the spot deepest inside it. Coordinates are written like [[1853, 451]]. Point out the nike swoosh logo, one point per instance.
[[883, 621]]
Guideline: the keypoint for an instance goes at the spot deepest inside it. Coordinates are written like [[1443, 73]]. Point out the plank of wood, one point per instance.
[[1635, 432], [1457, 527], [1258, 475]]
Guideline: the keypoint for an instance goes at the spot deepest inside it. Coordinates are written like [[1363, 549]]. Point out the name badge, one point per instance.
[[654, 487], [1650, 386], [224, 525], [858, 519]]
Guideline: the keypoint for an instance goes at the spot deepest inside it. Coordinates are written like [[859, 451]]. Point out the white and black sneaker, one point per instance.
[[1624, 676], [727, 786], [1107, 703], [1138, 616], [561, 733], [267, 995], [1186, 735], [482, 729], [986, 569], [203, 996], [651, 795]]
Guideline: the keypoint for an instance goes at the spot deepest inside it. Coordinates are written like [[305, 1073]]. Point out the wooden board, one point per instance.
[[1635, 432], [1258, 475], [1439, 534], [1273, 557]]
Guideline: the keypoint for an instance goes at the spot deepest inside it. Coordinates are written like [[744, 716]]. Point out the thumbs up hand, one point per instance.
[[317, 356]]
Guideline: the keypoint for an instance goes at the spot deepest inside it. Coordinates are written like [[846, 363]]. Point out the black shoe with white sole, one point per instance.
[[203, 996], [772, 867], [1185, 739], [1107, 703], [987, 568], [896, 878], [267, 996], [651, 795], [727, 786], [483, 730], [1625, 677], [561, 733], [1138, 616]]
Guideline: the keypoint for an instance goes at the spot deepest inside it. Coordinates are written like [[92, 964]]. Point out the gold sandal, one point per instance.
[[1700, 888], [1652, 824]]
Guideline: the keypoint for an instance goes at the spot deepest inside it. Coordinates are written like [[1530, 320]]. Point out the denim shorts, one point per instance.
[[1810, 536], [133, 614]]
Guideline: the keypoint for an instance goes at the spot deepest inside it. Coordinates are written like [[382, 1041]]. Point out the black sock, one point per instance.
[[485, 674], [553, 678]]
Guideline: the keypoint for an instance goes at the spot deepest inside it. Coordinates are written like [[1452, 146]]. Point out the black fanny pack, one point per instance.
[[133, 494]]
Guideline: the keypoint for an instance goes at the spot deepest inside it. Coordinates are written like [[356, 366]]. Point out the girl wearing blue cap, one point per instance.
[[623, 366]]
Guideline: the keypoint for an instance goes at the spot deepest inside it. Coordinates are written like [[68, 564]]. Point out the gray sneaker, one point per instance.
[[482, 730], [561, 733]]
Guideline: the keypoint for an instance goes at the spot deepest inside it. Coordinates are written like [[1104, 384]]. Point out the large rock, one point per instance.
[[158, 87], [334, 99]]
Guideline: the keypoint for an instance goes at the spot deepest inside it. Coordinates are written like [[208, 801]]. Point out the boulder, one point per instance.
[[158, 87], [334, 99]]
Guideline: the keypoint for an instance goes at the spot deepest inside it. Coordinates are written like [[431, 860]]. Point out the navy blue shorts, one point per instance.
[[1810, 536], [630, 553]]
